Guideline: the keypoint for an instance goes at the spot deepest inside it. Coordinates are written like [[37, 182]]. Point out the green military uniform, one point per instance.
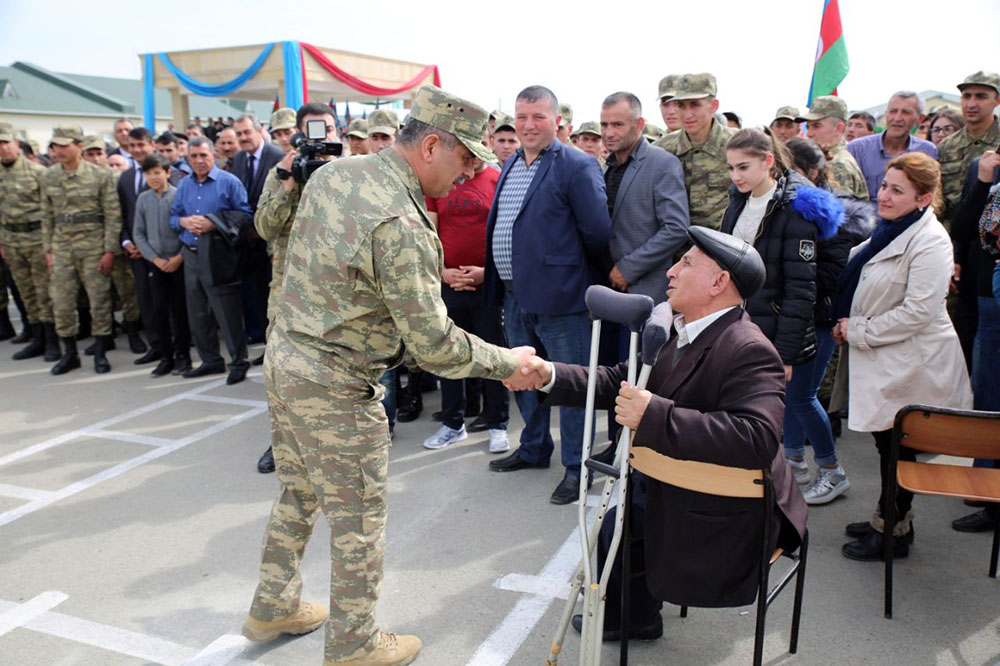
[[273, 222], [957, 151], [842, 164], [21, 233], [81, 221], [362, 283]]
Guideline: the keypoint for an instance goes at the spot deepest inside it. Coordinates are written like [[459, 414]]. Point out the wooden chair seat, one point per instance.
[[975, 483]]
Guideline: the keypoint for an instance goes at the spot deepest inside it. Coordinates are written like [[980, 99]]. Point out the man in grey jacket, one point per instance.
[[646, 199]]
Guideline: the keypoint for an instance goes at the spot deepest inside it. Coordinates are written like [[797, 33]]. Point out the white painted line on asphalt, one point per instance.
[[91, 481], [536, 585], [20, 492], [223, 400], [221, 651], [101, 425], [24, 613], [121, 436], [113, 639]]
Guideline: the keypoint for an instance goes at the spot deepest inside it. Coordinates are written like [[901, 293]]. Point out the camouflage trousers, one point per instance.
[[124, 281], [331, 449], [71, 267], [31, 274]]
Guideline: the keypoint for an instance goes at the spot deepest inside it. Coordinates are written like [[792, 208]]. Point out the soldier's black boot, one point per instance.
[[51, 342], [83, 314], [70, 359], [135, 342], [37, 346], [101, 364], [411, 401], [26, 334], [6, 328], [109, 345]]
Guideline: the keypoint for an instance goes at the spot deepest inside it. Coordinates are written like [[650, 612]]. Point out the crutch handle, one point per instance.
[[603, 468], [630, 310]]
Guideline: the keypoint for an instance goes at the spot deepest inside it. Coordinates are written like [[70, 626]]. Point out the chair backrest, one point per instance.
[[701, 477], [955, 432]]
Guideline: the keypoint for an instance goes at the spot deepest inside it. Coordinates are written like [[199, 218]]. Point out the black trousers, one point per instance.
[[467, 310], [141, 270], [169, 304], [211, 309], [904, 498], [643, 608], [256, 287]]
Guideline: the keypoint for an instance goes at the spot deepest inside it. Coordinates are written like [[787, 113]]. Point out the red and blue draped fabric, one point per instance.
[[831, 64]]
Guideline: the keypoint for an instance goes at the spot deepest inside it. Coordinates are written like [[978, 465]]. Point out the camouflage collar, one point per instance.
[[715, 144], [399, 166], [990, 136]]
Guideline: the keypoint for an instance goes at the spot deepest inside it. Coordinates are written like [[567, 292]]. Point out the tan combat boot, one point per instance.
[[309, 617], [390, 650]]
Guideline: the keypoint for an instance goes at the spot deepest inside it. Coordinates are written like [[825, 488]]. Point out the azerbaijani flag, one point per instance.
[[831, 64]]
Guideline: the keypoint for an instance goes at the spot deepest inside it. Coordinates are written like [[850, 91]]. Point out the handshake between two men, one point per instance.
[[534, 373]]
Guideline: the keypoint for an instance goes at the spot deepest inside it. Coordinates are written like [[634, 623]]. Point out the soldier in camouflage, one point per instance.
[[701, 148], [81, 222], [590, 141], [357, 137], [282, 126], [825, 124], [21, 243], [565, 123], [668, 107], [383, 124], [362, 284]]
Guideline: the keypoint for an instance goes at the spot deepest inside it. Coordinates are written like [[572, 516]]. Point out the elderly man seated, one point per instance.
[[717, 396]]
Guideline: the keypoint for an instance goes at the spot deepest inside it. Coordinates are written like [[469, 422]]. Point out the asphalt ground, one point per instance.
[[131, 518]]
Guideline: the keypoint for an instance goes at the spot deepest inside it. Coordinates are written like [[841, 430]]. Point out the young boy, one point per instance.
[[160, 246]]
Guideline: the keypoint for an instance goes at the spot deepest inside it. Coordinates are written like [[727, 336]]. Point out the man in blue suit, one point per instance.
[[546, 242]]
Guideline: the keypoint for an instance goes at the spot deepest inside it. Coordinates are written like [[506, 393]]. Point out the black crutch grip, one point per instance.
[[603, 468], [630, 310]]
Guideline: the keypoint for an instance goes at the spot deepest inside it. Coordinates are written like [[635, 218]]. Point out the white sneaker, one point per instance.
[[445, 436], [800, 469], [828, 485], [498, 441]]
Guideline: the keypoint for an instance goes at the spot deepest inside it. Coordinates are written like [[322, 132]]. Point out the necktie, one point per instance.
[[249, 182], [140, 180]]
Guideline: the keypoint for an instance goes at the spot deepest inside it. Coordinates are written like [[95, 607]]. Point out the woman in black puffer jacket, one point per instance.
[[787, 218]]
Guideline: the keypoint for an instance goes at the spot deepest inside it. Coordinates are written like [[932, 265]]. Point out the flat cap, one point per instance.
[[590, 127], [827, 106], [740, 258], [6, 132], [788, 113], [504, 122], [668, 86], [448, 112], [358, 128], [283, 118], [93, 141], [383, 121], [566, 111], [695, 86], [981, 78], [63, 135]]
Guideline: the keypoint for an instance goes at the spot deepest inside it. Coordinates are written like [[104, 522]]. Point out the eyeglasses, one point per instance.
[[944, 129]]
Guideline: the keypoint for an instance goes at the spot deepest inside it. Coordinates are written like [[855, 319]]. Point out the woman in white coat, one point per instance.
[[902, 347]]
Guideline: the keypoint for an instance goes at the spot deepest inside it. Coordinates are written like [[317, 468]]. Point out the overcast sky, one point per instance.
[[761, 51]]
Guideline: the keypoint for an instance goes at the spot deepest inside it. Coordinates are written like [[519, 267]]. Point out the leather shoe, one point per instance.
[[148, 357], [205, 369], [266, 463], [979, 521], [568, 489], [479, 425], [869, 548], [181, 365], [648, 632], [437, 416], [861, 529], [607, 456], [976, 503], [236, 375], [258, 361], [164, 367], [512, 463]]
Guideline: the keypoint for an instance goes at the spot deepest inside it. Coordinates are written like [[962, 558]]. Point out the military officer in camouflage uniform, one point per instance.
[[590, 141], [81, 223], [701, 148], [21, 240], [825, 124], [362, 284], [282, 126], [668, 107], [383, 124], [565, 123], [357, 137], [786, 123]]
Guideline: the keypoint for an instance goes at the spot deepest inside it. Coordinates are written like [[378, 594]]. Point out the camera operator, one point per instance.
[[275, 213]]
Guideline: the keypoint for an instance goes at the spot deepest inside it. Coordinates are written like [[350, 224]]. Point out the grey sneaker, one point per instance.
[[498, 441], [800, 469], [445, 436], [828, 485]]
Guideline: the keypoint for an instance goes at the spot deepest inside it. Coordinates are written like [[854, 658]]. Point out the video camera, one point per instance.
[[312, 146]]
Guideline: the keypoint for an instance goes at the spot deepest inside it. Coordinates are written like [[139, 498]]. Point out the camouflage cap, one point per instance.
[[455, 115], [358, 128], [566, 112], [383, 121], [695, 86], [35, 148], [827, 106], [652, 131], [981, 78], [63, 135], [6, 132], [590, 127], [504, 121], [94, 141], [668, 86], [788, 113], [496, 113], [283, 118]]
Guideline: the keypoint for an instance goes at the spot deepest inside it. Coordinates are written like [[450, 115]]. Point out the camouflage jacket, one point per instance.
[[846, 171], [274, 216], [956, 153], [81, 208], [21, 203], [363, 279], [706, 173]]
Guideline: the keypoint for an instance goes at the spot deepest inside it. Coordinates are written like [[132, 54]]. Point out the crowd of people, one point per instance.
[[878, 281]]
